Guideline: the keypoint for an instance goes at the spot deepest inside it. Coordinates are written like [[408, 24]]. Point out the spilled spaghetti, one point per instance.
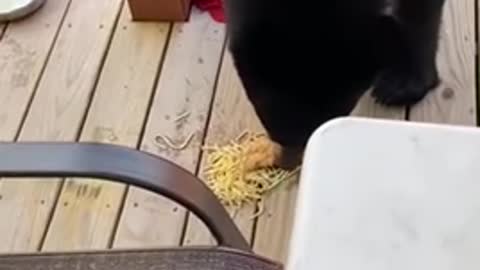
[[242, 172]]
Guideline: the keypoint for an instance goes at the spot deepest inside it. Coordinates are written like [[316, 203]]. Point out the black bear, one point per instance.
[[303, 63]]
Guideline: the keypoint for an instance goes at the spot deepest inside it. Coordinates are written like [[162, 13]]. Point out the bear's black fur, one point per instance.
[[303, 63]]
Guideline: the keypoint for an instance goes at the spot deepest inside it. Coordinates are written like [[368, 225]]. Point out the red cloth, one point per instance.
[[214, 7]]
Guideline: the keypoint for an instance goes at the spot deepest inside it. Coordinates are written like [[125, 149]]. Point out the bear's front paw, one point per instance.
[[403, 88]]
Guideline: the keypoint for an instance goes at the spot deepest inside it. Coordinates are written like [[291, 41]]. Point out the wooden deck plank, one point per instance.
[[272, 235], [57, 113], [231, 115], [454, 102], [24, 50], [116, 116], [367, 107], [186, 85]]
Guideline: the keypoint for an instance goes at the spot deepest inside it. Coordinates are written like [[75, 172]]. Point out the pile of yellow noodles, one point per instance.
[[236, 174]]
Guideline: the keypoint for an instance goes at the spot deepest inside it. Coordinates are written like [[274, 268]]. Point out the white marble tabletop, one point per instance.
[[386, 195]]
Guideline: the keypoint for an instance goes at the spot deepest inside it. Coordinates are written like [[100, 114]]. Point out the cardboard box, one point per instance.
[[159, 10]]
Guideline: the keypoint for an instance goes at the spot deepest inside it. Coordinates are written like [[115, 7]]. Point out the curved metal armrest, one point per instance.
[[124, 165]]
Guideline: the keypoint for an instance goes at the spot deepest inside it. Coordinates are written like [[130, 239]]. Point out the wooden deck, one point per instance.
[[81, 70]]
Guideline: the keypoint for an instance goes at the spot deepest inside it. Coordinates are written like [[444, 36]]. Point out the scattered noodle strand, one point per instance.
[[165, 142], [260, 211]]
